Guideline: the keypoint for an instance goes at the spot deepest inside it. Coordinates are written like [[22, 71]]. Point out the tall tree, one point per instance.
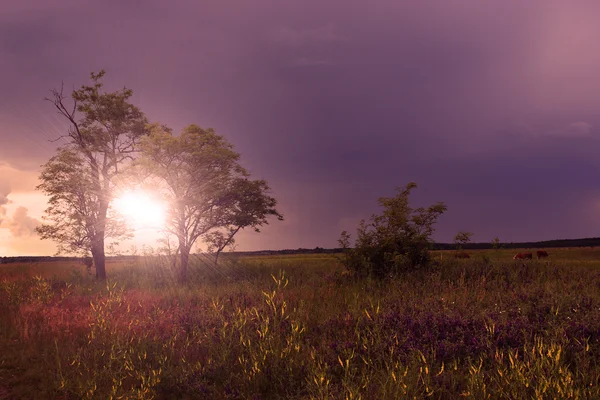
[[104, 129], [73, 205], [200, 177]]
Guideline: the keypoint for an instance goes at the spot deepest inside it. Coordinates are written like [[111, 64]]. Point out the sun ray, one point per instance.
[[140, 209]]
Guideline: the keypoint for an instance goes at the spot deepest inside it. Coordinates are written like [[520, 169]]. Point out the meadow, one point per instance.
[[299, 327]]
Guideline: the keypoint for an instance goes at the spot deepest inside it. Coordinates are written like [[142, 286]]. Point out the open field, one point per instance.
[[267, 327]]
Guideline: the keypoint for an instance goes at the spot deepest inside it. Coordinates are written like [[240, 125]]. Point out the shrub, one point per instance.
[[396, 240], [461, 239]]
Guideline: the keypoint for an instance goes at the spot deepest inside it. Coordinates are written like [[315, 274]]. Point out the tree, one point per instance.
[[394, 241], [209, 193], [245, 204], [461, 239], [496, 243], [73, 206], [104, 129]]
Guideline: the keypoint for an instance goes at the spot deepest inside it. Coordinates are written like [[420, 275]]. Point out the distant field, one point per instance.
[[65, 268], [297, 326]]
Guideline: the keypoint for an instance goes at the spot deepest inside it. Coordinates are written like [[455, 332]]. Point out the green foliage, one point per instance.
[[461, 239], [395, 241], [209, 193], [72, 218], [245, 203], [14, 293], [288, 327], [41, 291], [496, 243], [113, 359], [103, 132]]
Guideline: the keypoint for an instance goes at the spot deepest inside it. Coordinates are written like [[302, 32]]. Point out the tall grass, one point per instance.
[[299, 327]]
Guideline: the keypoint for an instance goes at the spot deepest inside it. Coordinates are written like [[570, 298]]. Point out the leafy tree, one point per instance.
[[496, 243], [461, 239], [74, 206], [104, 129], [209, 193], [394, 241], [245, 204]]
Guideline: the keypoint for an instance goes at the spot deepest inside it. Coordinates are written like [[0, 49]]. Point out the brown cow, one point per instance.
[[541, 254], [461, 254], [522, 256]]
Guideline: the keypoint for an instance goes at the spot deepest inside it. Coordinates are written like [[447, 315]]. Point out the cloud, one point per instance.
[[525, 130], [21, 224], [4, 198], [298, 37], [16, 180], [27, 245], [4, 192], [414, 91], [572, 130], [5, 189], [579, 128]]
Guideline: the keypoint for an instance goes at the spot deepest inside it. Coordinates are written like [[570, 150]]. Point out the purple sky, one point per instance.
[[491, 107]]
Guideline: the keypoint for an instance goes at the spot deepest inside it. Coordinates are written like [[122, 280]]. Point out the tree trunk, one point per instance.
[[98, 242], [185, 257], [222, 247], [184, 247], [99, 258]]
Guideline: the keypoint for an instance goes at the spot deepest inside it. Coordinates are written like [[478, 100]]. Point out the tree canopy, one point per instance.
[[71, 218], [209, 193], [396, 240], [108, 141], [103, 132], [462, 238]]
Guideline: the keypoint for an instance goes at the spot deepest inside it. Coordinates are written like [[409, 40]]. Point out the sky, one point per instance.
[[491, 107]]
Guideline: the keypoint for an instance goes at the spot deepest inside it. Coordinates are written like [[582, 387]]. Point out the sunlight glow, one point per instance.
[[140, 209]]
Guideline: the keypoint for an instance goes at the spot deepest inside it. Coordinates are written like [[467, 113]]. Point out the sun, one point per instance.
[[140, 209]]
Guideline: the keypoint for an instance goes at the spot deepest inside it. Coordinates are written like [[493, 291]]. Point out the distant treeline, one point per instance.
[[32, 259], [587, 242]]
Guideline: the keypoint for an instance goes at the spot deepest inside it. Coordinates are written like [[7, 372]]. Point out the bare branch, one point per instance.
[[58, 138]]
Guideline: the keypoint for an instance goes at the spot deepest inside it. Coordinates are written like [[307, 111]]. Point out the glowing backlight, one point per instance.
[[140, 209]]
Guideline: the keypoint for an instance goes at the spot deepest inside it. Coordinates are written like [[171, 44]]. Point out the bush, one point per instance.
[[397, 240]]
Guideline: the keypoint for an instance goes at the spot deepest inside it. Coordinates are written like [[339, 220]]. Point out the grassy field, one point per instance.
[[298, 327]]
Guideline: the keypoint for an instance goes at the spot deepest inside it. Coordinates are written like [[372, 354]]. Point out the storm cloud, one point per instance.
[[488, 106]]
